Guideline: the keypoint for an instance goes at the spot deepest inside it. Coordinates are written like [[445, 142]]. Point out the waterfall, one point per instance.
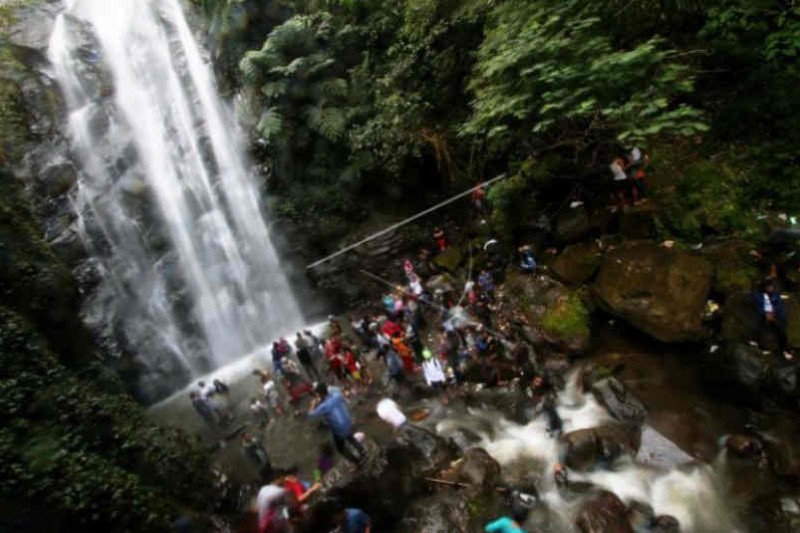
[[168, 206]]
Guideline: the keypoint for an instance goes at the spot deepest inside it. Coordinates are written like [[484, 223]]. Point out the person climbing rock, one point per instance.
[[333, 407], [507, 524], [352, 520]]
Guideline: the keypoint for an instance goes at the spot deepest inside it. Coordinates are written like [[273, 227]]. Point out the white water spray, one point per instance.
[[166, 200], [694, 494]]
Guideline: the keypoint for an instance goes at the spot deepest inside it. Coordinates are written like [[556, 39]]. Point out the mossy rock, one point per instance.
[[14, 120], [567, 318], [450, 259], [554, 310]]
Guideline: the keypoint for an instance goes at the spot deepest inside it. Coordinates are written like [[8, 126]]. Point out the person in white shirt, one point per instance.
[[433, 371]]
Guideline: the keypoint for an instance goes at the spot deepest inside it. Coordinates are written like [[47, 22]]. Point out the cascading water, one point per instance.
[[189, 278], [692, 492]]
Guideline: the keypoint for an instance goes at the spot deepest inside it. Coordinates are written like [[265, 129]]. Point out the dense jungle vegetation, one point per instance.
[[372, 106]]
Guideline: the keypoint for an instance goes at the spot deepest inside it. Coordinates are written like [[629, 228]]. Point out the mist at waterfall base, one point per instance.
[[188, 279]]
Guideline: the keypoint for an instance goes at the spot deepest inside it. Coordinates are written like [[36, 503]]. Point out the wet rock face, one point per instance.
[[585, 449], [443, 512], [478, 468], [619, 401], [662, 292], [605, 513]]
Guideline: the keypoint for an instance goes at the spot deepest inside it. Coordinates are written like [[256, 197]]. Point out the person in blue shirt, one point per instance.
[[333, 407], [509, 525], [772, 312], [353, 521]]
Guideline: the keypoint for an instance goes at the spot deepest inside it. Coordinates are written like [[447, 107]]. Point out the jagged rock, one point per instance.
[[662, 292], [572, 225], [777, 513], [427, 451], [31, 24], [578, 263], [478, 468], [445, 512], [586, 448], [619, 401], [605, 513], [58, 178]]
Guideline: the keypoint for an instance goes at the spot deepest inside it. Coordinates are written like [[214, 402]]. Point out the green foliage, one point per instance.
[[76, 453], [91, 459], [548, 73], [711, 195]]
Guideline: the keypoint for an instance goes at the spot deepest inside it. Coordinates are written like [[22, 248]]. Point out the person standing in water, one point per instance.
[[333, 407]]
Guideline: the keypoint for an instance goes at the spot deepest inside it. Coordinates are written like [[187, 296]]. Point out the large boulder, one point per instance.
[[554, 313], [585, 449], [579, 263], [605, 513], [662, 292]]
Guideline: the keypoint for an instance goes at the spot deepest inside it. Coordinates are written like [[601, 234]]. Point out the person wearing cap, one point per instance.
[[333, 407], [433, 371]]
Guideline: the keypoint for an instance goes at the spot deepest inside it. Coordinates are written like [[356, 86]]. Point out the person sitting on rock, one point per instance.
[[507, 524], [773, 313]]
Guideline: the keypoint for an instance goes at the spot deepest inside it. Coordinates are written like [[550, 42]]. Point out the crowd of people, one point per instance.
[[629, 173], [428, 334]]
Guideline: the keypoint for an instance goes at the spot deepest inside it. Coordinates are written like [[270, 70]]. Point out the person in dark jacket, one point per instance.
[[772, 311]]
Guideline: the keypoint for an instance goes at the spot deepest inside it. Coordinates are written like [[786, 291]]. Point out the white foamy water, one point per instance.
[[695, 494], [167, 203]]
